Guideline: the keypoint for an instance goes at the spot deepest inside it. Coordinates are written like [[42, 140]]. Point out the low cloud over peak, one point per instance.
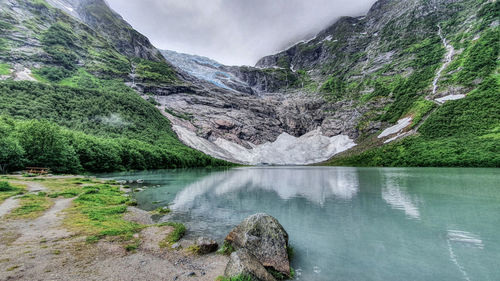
[[234, 32]]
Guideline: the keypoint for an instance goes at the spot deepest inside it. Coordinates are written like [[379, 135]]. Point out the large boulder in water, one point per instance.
[[243, 263], [264, 237]]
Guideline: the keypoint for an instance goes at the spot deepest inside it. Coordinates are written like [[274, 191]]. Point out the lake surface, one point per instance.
[[349, 223]]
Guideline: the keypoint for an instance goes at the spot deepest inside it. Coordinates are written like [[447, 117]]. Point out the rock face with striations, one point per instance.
[[263, 237]]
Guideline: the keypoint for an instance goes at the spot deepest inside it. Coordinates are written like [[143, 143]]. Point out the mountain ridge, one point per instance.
[[357, 79]]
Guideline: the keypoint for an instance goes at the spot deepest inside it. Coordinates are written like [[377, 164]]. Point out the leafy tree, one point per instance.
[[45, 145]]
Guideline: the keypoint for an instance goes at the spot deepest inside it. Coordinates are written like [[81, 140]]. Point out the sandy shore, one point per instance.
[[43, 249]]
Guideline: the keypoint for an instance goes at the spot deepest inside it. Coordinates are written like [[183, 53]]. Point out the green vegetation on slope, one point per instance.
[[88, 130], [459, 133], [82, 117], [462, 133]]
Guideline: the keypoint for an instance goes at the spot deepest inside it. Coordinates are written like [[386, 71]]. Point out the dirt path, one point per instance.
[[7, 206], [31, 186], [48, 226], [41, 249]]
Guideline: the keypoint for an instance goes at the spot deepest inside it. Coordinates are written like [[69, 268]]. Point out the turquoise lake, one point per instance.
[[388, 224]]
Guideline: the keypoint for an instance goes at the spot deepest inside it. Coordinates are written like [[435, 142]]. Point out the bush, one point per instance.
[[53, 74], [5, 186]]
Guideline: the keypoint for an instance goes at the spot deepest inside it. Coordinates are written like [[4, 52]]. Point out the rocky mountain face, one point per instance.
[[98, 15], [402, 61], [363, 82]]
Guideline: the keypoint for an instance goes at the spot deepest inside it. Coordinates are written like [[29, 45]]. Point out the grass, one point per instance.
[[4, 69], [419, 109], [31, 206], [12, 268], [226, 249], [134, 245], [98, 213], [240, 277], [163, 210], [8, 190], [193, 249], [174, 236]]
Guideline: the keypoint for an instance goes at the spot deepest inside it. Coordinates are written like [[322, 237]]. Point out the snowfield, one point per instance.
[[310, 148]]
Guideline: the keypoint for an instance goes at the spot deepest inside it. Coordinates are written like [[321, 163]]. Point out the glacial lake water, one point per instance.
[[348, 223]]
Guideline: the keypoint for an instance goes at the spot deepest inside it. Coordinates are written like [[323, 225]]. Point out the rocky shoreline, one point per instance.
[[56, 242]]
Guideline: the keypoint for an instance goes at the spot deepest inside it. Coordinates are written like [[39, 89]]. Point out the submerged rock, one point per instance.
[[206, 245], [264, 237], [244, 263]]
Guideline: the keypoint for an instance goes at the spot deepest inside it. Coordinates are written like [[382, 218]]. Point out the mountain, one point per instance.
[[411, 83], [65, 67]]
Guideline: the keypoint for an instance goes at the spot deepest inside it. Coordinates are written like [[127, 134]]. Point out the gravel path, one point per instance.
[[8, 205], [41, 249]]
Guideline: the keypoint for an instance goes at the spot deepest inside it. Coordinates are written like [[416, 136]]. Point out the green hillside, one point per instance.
[[78, 115]]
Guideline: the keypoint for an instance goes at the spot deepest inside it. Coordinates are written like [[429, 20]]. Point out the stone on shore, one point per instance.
[[206, 245], [263, 237], [243, 263]]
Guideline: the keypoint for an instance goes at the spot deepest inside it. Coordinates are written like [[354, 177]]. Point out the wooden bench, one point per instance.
[[37, 170]]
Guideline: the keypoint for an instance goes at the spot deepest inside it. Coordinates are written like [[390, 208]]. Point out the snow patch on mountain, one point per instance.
[[69, 6], [310, 148], [402, 124]]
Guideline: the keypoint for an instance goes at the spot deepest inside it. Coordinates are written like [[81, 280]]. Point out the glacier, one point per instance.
[[313, 147], [203, 68]]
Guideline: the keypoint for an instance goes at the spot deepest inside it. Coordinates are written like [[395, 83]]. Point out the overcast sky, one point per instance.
[[233, 32]]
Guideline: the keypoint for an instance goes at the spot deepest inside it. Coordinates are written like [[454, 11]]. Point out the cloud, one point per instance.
[[233, 31]]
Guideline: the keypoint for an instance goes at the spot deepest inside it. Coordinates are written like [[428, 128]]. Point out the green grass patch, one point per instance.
[[8, 190], [193, 249], [31, 206], [419, 109], [4, 69], [240, 277], [163, 210], [131, 247], [175, 235], [158, 72], [226, 249], [98, 212]]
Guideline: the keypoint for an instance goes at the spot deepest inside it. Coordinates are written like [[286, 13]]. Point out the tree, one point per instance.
[[46, 146]]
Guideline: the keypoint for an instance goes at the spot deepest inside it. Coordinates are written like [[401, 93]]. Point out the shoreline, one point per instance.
[[46, 234]]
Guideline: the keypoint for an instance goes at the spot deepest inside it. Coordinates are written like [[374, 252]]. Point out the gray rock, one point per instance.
[[242, 262], [265, 238], [206, 245], [176, 246]]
